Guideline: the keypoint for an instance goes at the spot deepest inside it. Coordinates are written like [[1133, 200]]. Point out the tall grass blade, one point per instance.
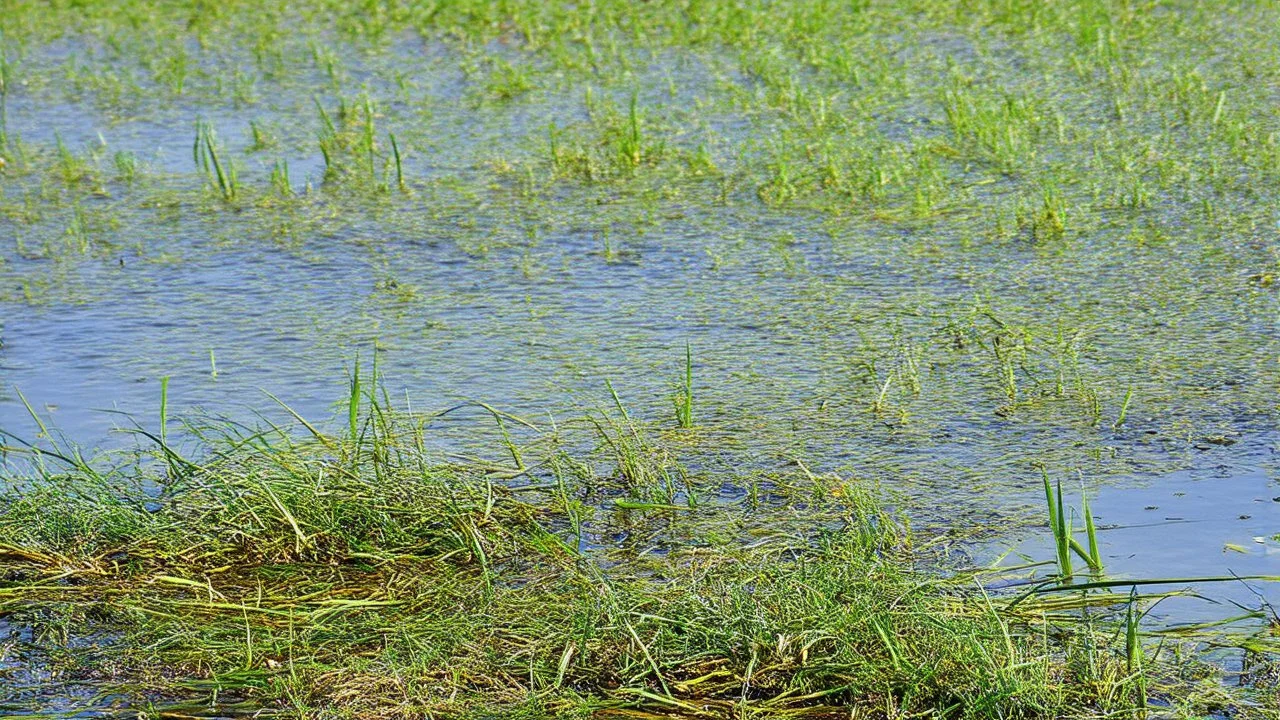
[[1124, 409], [164, 409], [1062, 536], [395, 154], [353, 406], [1134, 655], [1091, 531], [684, 400]]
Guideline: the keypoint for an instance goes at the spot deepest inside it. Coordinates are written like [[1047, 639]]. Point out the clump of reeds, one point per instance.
[[220, 171], [1064, 541]]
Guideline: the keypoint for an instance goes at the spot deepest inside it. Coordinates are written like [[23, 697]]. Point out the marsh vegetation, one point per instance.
[[692, 359]]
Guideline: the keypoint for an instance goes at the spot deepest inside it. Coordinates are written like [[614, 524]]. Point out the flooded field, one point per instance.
[[706, 277]]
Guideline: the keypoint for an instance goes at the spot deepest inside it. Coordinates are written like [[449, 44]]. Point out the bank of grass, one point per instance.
[[361, 574]]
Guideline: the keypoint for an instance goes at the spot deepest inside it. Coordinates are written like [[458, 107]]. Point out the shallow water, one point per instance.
[[936, 353], [1188, 524]]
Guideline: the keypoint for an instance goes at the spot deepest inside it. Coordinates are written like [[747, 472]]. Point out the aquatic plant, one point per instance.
[[1134, 654], [650, 474], [352, 573], [684, 397], [260, 139], [126, 166], [395, 154], [955, 204], [280, 178], [8, 72], [1124, 409], [205, 154], [507, 81], [630, 144], [73, 168], [1064, 542]]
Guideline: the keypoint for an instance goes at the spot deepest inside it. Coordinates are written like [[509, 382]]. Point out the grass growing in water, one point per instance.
[[1064, 541], [395, 155], [359, 574], [1134, 654], [684, 398], [832, 108], [205, 153]]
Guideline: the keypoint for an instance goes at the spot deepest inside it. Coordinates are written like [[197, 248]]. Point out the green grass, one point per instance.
[[1064, 541], [395, 155], [272, 573], [220, 171], [1134, 654], [280, 178], [820, 118], [684, 397], [959, 204], [8, 72]]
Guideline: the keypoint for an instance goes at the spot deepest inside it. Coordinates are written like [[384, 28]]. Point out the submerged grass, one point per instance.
[[362, 575]]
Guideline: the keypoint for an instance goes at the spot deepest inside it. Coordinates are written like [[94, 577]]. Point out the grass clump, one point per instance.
[[1064, 541], [220, 171], [360, 575]]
